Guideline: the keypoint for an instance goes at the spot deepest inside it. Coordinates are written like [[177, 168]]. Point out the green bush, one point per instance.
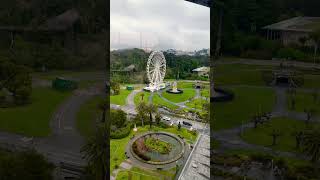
[[122, 132], [118, 118], [291, 53], [26, 165], [22, 95]]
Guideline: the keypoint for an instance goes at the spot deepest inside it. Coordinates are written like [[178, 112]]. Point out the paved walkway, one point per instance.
[[198, 164]]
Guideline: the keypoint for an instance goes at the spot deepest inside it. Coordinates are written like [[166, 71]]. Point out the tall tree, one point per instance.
[[151, 109], [142, 110], [96, 151], [103, 107], [315, 36], [311, 144]]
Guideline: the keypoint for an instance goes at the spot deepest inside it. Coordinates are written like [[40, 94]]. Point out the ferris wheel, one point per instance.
[[156, 70]]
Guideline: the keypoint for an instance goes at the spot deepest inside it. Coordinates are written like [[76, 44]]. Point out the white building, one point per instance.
[[202, 71]]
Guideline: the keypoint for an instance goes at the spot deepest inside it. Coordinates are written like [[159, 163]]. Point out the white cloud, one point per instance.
[[164, 24]]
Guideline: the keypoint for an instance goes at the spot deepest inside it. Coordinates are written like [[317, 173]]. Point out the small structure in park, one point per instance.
[[156, 70], [219, 95], [291, 31], [62, 27], [64, 84], [284, 76], [130, 88], [202, 71], [174, 89]]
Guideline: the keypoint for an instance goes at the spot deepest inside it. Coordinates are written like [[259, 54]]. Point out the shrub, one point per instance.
[[118, 118], [22, 95], [291, 53], [121, 132]]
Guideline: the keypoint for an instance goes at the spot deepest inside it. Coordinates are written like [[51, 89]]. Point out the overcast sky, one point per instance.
[[161, 24]]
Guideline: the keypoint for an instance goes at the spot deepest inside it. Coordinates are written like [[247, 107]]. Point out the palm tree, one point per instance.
[[217, 35], [96, 152], [142, 95], [275, 134], [315, 36], [103, 106], [151, 108], [142, 110], [311, 144], [299, 138]]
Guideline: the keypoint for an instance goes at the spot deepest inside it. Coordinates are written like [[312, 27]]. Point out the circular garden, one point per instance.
[[156, 148]]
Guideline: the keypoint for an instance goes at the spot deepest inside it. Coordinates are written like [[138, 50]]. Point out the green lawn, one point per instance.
[[186, 95], [304, 100], [121, 98], [33, 119], [239, 74], [196, 103], [87, 115], [311, 81], [286, 142], [144, 174], [118, 146], [247, 102], [182, 85], [138, 98], [156, 99]]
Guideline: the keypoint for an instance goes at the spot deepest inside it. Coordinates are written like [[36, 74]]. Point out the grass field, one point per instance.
[[247, 102], [138, 98], [33, 119], [286, 127], [186, 95], [87, 115], [182, 85], [304, 100], [311, 81], [156, 99], [118, 146], [121, 98], [144, 174], [239, 74]]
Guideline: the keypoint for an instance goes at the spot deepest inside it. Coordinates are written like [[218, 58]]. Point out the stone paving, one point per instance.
[[198, 165]]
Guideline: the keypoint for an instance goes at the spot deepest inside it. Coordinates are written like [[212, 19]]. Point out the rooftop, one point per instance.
[[300, 24], [61, 22], [201, 69]]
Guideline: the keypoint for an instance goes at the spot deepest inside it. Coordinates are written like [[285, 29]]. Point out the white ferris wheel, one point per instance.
[[156, 70]]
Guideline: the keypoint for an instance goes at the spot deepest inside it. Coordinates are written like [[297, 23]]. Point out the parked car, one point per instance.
[[167, 119], [186, 123]]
